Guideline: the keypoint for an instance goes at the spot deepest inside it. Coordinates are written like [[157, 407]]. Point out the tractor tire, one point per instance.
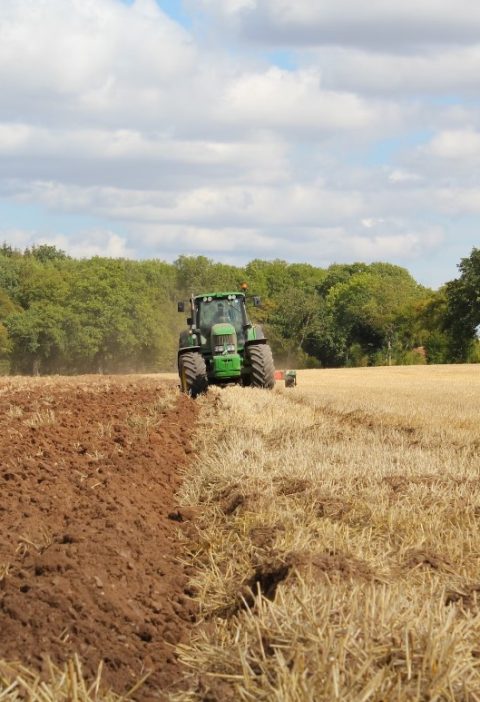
[[261, 362], [193, 373]]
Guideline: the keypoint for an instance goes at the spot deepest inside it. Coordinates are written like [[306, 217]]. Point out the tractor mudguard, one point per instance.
[[187, 349], [256, 336], [252, 342], [188, 342]]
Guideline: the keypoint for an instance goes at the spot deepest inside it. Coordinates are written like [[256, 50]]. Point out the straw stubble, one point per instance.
[[338, 552]]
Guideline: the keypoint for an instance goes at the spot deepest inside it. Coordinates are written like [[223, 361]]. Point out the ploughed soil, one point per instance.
[[89, 563]]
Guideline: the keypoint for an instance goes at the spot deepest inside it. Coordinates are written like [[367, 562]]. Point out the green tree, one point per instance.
[[339, 273], [325, 341], [38, 282], [9, 251], [5, 344], [462, 317], [429, 322], [368, 311], [9, 275], [291, 322], [7, 307], [37, 336], [45, 253], [199, 274], [113, 322], [269, 279]]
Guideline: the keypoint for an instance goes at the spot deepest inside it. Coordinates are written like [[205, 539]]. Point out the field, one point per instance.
[[88, 557], [329, 535]]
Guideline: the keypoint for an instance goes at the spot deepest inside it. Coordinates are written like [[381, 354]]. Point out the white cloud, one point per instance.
[[398, 175], [433, 71], [370, 222], [84, 244], [455, 144], [317, 245], [61, 60], [125, 154], [405, 247], [93, 242], [372, 23], [458, 201], [279, 99], [281, 206], [16, 237], [230, 7]]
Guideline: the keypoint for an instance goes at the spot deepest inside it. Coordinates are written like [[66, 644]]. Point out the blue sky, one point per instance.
[[174, 9], [321, 130]]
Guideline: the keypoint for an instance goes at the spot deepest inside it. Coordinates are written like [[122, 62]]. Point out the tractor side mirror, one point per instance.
[[189, 321], [180, 306], [256, 301]]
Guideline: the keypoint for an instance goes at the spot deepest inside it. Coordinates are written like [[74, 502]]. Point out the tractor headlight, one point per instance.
[[224, 348], [224, 343]]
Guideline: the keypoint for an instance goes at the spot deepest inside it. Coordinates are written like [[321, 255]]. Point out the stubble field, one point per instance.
[[339, 552], [327, 543]]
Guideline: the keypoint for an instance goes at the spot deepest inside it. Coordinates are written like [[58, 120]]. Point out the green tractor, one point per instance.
[[222, 346]]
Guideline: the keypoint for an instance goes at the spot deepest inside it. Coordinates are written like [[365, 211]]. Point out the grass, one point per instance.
[[337, 556]]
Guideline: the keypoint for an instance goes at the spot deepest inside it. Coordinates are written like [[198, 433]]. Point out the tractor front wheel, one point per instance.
[[193, 373], [262, 368]]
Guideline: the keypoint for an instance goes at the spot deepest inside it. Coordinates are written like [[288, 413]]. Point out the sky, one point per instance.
[[314, 131]]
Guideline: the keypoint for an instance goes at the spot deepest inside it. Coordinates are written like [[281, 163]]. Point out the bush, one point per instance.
[[415, 357], [474, 355], [357, 358], [436, 347]]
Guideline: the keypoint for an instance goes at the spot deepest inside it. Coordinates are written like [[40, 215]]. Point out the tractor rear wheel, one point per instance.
[[193, 373], [261, 362]]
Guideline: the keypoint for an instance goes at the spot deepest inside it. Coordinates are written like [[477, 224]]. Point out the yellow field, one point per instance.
[[426, 394], [338, 556]]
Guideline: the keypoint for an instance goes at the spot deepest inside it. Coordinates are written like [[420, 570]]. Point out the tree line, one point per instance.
[[64, 315]]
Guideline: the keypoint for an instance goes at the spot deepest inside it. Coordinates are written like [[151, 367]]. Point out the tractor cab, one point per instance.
[[222, 321]]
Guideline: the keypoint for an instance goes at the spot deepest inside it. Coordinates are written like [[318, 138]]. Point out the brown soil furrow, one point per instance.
[[88, 556]]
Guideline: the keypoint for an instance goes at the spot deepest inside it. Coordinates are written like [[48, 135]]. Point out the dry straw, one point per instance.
[[338, 556], [58, 684]]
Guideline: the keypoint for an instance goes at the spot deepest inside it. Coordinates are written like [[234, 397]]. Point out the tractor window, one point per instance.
[[213, 311]]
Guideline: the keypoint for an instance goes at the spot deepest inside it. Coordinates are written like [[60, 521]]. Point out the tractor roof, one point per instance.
[[220, 295]]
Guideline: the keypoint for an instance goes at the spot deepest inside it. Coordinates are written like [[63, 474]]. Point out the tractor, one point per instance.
[[221, 345]]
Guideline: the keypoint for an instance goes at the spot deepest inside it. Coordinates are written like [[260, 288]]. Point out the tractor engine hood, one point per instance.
[[223, 338]]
